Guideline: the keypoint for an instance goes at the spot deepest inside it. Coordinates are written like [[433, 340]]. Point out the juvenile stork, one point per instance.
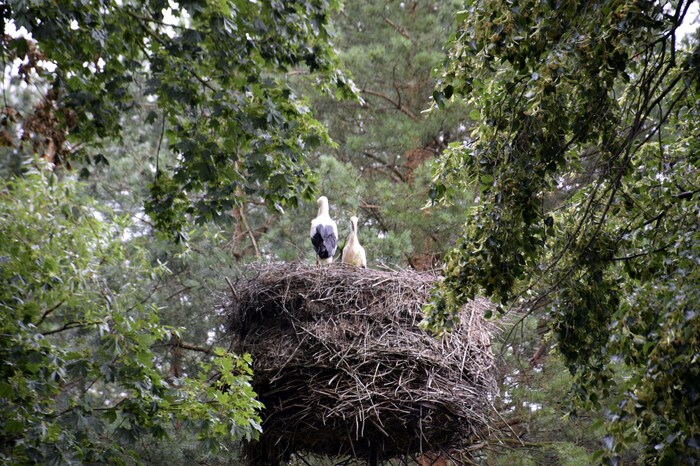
[[324, 233], [353, 253]]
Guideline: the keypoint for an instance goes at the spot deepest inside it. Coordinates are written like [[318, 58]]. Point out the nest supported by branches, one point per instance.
[[344, 370]]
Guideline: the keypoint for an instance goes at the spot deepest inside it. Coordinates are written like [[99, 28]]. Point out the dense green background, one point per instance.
[[543, 152]]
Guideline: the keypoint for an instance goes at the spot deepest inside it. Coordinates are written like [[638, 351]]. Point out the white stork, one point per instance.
[[324, 233], [353, 253]]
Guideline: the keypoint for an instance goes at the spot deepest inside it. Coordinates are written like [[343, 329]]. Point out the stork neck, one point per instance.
[[323, 209]]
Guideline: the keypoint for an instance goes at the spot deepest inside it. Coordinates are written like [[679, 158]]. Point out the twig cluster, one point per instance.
[[343, 368]]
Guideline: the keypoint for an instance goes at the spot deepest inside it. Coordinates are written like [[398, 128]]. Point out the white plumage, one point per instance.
[[353, 252], [324, 233]]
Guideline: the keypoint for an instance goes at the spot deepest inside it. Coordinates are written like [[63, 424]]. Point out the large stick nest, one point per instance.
[[342, 366]]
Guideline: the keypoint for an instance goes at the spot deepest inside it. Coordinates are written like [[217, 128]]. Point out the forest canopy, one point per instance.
[[541, 153], [215, 72]]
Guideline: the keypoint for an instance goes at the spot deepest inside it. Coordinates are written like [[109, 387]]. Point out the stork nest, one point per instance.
[[344, 370]]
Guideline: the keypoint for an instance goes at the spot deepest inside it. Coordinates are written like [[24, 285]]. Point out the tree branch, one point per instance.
[[180, 291], [49, 311], [398, 28], [393, 102], [187, 346], [641, 254], [398, 176], [71, 325], [231, 287]]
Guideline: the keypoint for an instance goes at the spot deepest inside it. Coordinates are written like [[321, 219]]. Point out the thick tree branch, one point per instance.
[[250, 233], [398, 28], [187, 346]]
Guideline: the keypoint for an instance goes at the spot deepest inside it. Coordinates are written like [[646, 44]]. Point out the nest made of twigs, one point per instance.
[[343, 368]]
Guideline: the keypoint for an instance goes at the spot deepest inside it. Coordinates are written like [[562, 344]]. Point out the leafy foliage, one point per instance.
[[215, 71], [586, 161], [81, 381]]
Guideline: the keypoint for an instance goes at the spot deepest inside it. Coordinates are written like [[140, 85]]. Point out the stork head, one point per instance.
[[353, 222], [322, 205]]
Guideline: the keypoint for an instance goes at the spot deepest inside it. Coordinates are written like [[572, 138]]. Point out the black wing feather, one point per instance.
[[324, 241]]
